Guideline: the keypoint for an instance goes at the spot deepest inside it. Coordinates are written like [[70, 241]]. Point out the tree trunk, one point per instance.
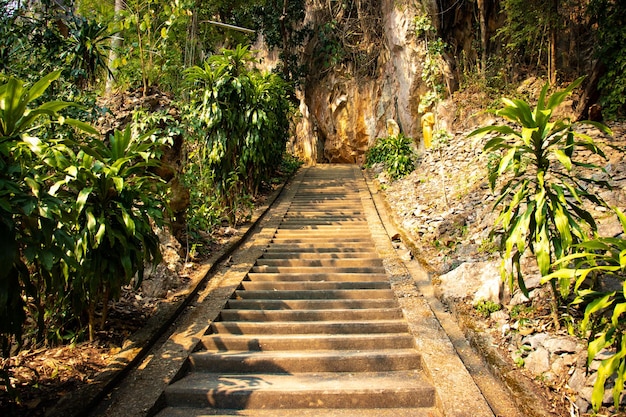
[[116, 44], [484, 38], [554, 24]]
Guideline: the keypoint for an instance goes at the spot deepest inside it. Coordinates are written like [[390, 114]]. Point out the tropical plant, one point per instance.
[[432, 70], [541, 191], [150, 53], [115, 199], [87, 50], [241, 126], [396, 153], [30, 214], [76, 215], [598, 261]]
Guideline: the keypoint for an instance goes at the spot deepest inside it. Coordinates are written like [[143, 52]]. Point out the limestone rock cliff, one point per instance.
[[342, 112]]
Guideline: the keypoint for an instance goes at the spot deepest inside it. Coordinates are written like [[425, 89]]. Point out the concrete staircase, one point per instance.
[[314, 329]]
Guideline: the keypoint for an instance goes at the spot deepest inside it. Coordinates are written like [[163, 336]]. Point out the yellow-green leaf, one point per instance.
[[91, 222], [81, 200], [100, 234], [119, 184], [128, 222], [563, 159]]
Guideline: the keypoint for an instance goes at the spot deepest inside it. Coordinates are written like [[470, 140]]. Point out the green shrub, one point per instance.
[[114, 198], [395, 153], [597, 260], [486, 307], [240, 129], [75, 214], [540, 195]]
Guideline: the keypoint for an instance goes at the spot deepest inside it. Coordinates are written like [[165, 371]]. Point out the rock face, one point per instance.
[[342, 114]]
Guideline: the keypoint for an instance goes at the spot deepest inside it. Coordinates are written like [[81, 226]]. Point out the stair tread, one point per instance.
[[301, 412], [392, 381], [282, 342], [347, 354], [320, 303]]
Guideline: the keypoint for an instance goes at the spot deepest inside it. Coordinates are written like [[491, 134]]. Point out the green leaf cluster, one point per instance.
[[540, 195], [241, 120], [396, 153], [542, 186], [595, 261], [76, 214]]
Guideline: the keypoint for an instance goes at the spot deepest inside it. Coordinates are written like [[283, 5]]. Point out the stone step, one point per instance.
[[301, 412], [284, 277], [251, 285], [308, 390], [341, 238], [329, 231], [266, 342], [328, 262], [311, 315], [347, 201], [363, 254], [314, 294], [312, 285], [319, 304], [317, 327], [314, 329], [306, 361], [315, 247], [317, 269], [312, 216], [323, 223]]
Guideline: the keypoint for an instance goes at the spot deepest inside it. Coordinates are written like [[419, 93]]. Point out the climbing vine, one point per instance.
[[432, 72], [351, 36]]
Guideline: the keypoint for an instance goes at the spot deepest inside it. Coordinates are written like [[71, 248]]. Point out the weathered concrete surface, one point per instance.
[[456, 389]]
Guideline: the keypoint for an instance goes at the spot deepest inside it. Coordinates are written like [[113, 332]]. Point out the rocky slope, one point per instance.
[[445, 208]]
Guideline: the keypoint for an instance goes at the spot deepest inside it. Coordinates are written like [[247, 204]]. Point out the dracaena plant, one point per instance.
[[541, 186], [241, 125], [597, 260], [29, 214], [114, 198]]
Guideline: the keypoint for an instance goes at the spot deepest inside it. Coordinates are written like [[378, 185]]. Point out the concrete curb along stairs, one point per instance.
[[316, 327]]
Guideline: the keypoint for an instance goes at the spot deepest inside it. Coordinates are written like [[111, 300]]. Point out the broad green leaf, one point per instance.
[[621, 217], [563, 159], [618, 310], [600, 126], [100, 234], [119, 184], [85, 127], [506, 160], [527, 135], [128, 222], [91, 222], [596, 345], [127, 265], [605, 370], [482, 131], [42, 85], [542, 249], [557, 98], [34, 186], [598, 304], [81, 200], [562, 224]]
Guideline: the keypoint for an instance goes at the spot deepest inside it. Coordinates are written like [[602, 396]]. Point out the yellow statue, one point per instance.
[[428, 121]]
